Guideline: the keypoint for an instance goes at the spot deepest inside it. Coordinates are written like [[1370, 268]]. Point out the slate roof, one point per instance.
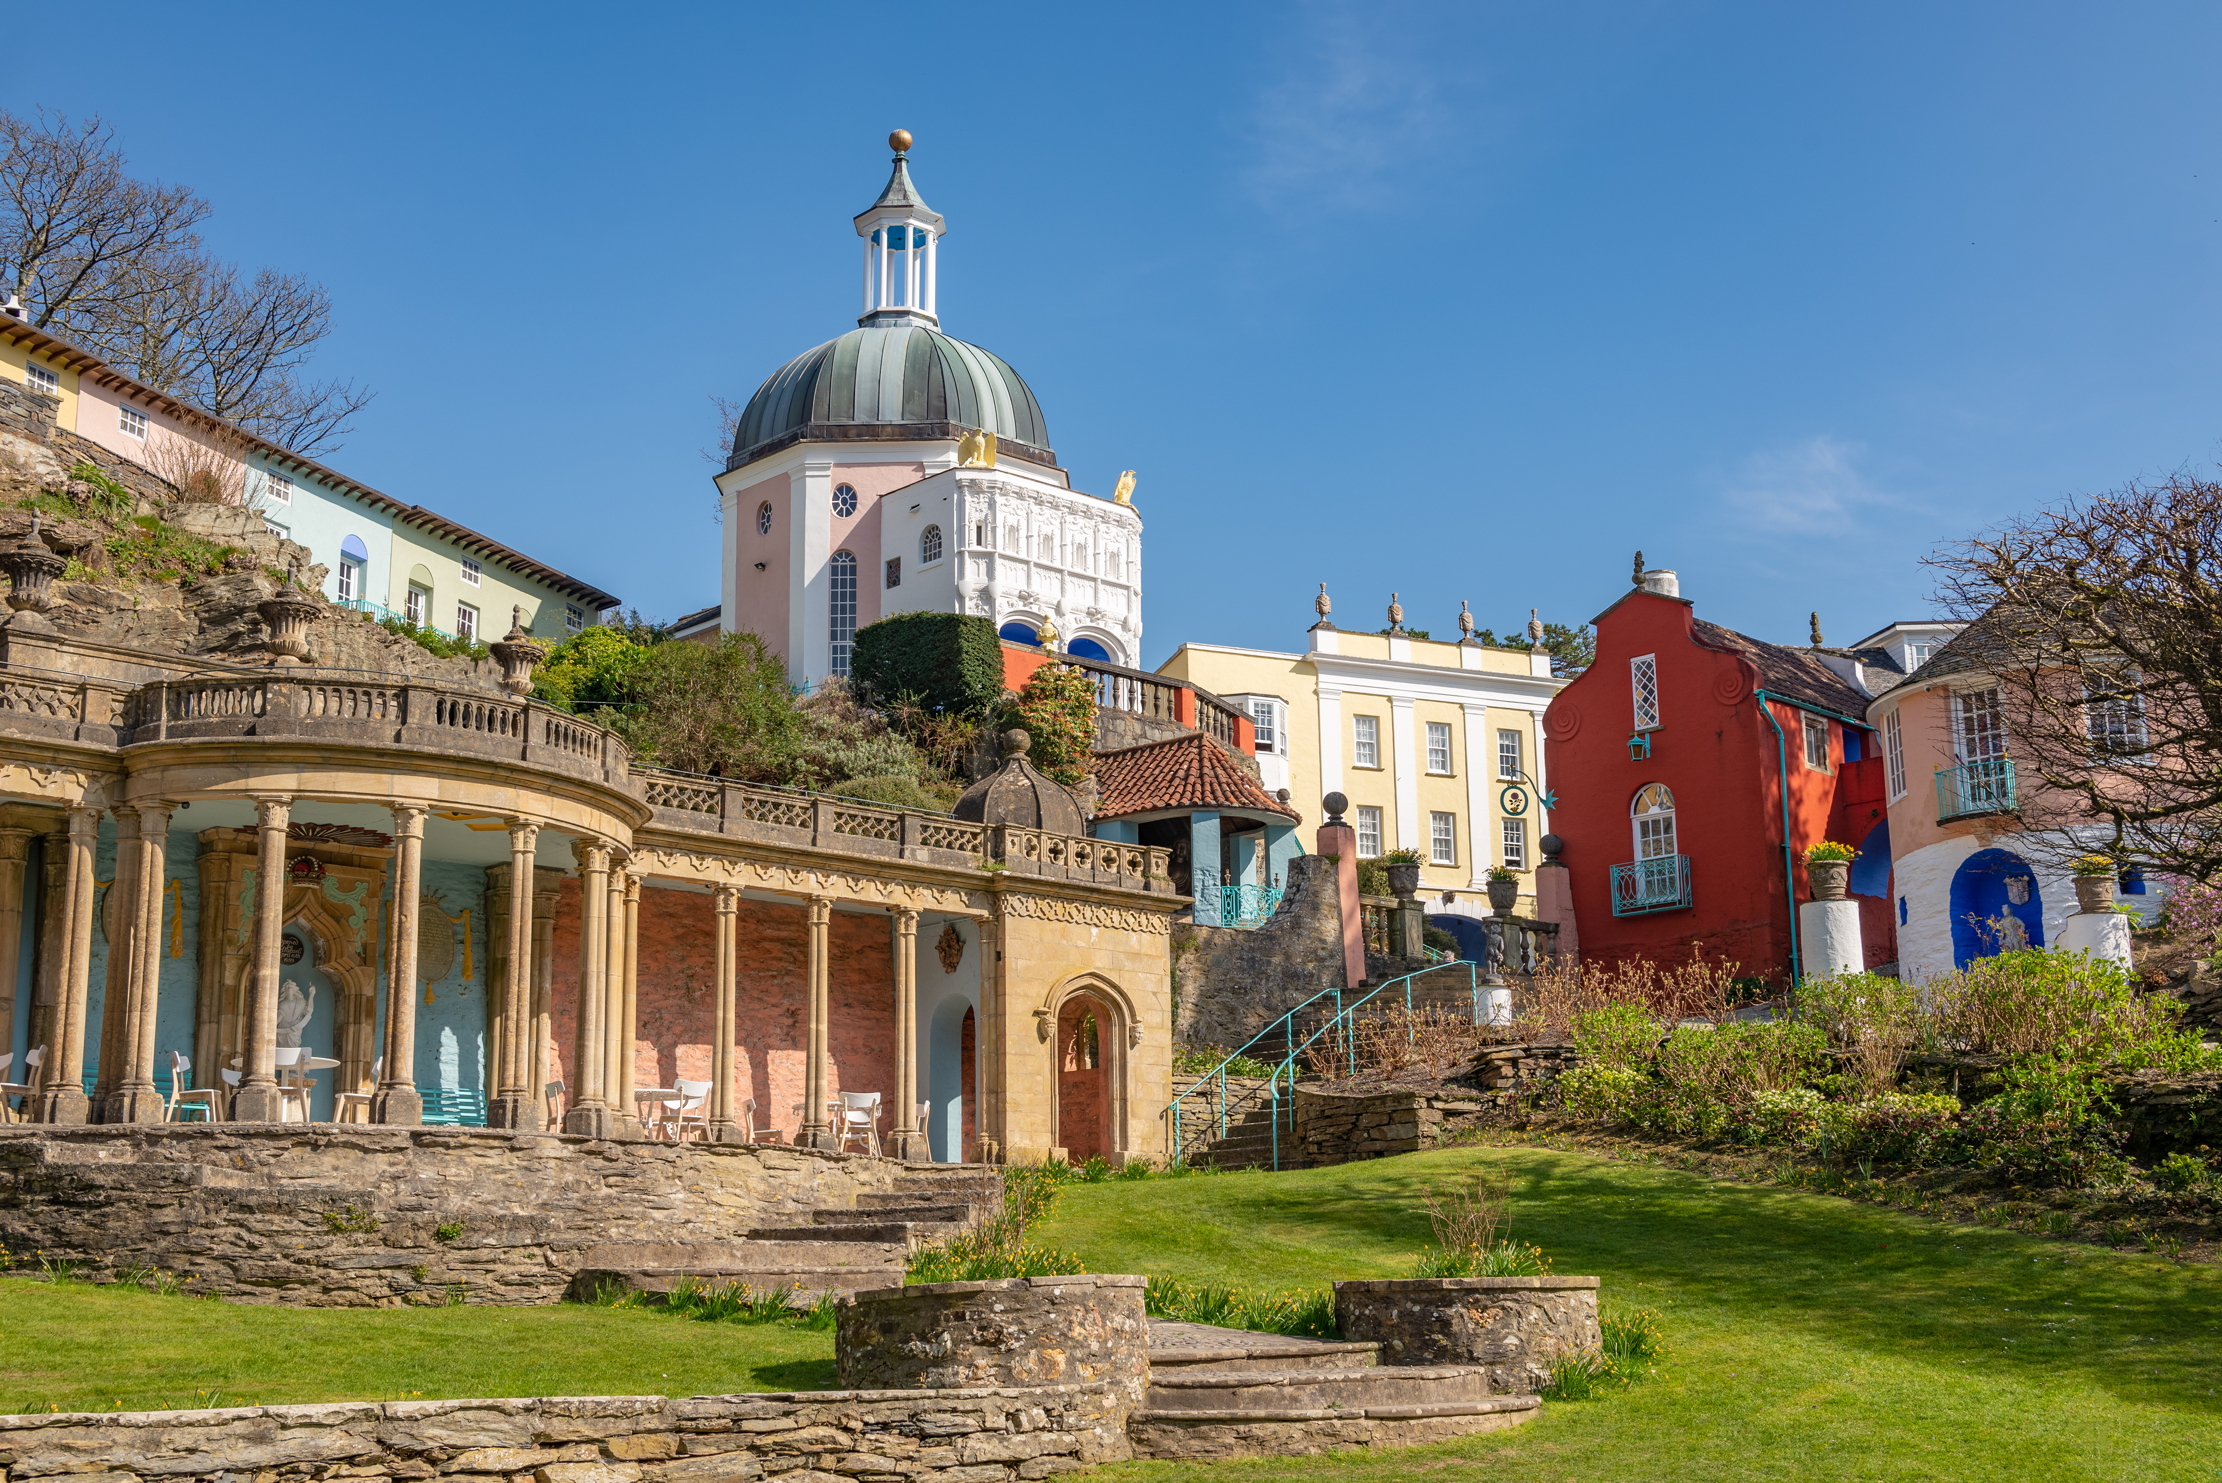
[[902, 195], [1793, 674], [1185, 772], [1975, 649]]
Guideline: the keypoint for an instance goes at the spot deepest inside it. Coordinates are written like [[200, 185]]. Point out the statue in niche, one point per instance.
[[295, 1005], [2012, 935], [950, 947]]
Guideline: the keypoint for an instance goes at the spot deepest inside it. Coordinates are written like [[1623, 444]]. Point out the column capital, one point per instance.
[[728, 898], [588, 853], [632, 888], [906, 917], [408, 819], [82, 817], [821, 910], [273, 811], [523, 835]]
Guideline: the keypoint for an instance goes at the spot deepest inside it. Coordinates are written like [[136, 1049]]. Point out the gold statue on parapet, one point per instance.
[[976, 449], [1124, 494]]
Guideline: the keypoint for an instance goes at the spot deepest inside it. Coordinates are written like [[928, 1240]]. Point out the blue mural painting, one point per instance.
[[1995, 906]]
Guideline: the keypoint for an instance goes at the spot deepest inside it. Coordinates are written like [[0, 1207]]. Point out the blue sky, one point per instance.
[[1461, 301]]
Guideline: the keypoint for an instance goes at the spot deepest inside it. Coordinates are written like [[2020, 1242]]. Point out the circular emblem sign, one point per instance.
[[1513, 801]]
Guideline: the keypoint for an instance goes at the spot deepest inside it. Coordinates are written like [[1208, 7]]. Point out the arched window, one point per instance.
[[1111, 561], [1653, 817], [844, 500], [1080, 555], [929, 545], [764, 518], [842, 627], [1085, 648]]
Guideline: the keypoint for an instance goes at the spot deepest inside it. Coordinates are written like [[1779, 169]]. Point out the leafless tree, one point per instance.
[[114, 264], [2102, 621]]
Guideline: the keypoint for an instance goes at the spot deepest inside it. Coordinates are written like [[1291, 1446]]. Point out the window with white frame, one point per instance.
[[345, 578], [282, 532], [1894, 757], [41, 379], [1264, 722], [574, 618], [1438, 746], [471, 572], [1979, 725], [414, 604], [277, 489], [764, 518], [466, 622], [1918, 652], [1442, 839], [841, 618], [929, 546], [1509, 744], [1515, 844], [133, 423], [1369, 832], [844, 500], [1365, 741], [2114, 710], [1643, 679], [1816, 741], [1652, 816]]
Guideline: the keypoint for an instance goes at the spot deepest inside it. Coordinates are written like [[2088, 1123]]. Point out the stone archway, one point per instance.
[[1090, 1025]]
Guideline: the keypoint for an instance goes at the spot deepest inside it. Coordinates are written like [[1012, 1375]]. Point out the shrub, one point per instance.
[[591, 670], [2041, 1151], [1501, 1259], [432, 641], [1427, 1044], [1908, 1129], [722, 708], [891, 790], [1057, 708], [1608, 1093], [1877, 1019], [1729, 1064], [1617, 1035], [2180, 1173], [2066, 1005], [945, 662], [1792, 1118]]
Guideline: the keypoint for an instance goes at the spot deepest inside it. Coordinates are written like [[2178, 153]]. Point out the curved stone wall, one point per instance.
[[1516, 1327], [1075, 1330]]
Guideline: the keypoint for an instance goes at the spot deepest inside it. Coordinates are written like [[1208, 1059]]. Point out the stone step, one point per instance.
[[876, 1205], [882, 1232], [1200, 1348], [742, 1257], [806, 1283], [1205, 1436], [1315, 1394]]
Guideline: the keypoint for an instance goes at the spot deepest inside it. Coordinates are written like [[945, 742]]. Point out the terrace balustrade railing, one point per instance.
[[1661, 883], [1972, 789], [1248, 906]]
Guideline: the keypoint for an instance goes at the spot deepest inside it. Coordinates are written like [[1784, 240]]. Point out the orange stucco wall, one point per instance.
[[760, 597]]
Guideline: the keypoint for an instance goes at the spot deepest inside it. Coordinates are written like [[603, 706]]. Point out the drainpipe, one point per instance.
[[1782, 770]]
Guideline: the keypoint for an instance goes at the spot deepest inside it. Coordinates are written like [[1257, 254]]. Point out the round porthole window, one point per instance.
[[844, 500], [764, 518]]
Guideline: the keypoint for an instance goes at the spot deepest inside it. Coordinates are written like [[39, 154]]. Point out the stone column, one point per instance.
[[120, 921], [816, 1132], [257, 1100], [906, 1140], [589, 1112], [628, 1024], [613, 1000], [61, 1097], [546, 894], [53, 931], [514, 1104], [137, 1101], [397, 1099], [15, 860], [722, 1127]]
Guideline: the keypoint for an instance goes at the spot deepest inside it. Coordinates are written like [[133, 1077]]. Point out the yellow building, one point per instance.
[[1437, 746]]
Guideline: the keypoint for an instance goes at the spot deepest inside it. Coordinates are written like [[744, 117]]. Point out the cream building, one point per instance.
[[1436, 745]]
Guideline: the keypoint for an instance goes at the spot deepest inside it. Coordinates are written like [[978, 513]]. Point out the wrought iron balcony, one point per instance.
[[1975, 788], [1248, 906], [1660, 884]]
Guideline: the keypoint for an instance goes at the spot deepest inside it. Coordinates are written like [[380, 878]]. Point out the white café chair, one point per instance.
[[690, 1110], [26, 1088], [184, 1097], [354, 1107], [756, 1134], [294, 1085], [858, 1119]]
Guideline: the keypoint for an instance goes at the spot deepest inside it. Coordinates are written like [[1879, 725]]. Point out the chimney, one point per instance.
[[13, 308], [1662, 581]]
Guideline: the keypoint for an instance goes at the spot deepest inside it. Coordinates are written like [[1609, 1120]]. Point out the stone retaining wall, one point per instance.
[[351, 1216], [1235, 981], [949, 1436], [1517, 1328], [1068, 1330], [1339, 1127]]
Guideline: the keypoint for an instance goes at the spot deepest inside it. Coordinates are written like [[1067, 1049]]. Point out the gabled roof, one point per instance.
[[1185, 772], [1793, 674], [1975, 649]]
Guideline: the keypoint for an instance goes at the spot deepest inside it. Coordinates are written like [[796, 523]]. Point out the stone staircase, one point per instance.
[[1221, 1393], [845, 1249], [1248, 1115]]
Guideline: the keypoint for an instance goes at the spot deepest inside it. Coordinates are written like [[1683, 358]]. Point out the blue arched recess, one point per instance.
[[1871, 871], [1019, 633], [1467, 930], [1088, 649], [1985, 887]]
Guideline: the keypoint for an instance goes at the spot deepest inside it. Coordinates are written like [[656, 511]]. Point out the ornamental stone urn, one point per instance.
[[2095, 892], [31, 570], [1828, 878], [1404, 880], [1503, 896], [518, 655], [288, 613]]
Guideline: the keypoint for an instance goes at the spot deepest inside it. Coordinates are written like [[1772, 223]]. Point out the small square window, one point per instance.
[[133, 423], [1515, 844], [471, 572], [1442, 839], [574, 617], [283, 533], [1438, 747], [1508, 756], [41, 379], [466, 622], [1816, 743], [1369, 832], [413, 606], [1365, 750], [1264, 732], [894, 571], [277, 489]]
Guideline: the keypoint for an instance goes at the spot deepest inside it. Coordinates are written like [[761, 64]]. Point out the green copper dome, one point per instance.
[[891, 382]]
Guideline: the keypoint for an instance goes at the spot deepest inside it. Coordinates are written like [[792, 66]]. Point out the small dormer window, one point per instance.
[[471, 572], [844, 500], [41, 379], [133, 423], [277, 489], [1918, 652]]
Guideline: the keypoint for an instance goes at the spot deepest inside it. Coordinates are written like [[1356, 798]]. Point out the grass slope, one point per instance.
[[1810, 1337], [73, 1347]]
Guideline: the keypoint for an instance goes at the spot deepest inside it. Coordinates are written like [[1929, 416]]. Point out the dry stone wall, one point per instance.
[[353, 1216], [1234, 981], [1340, 1126], [1016, 1330]]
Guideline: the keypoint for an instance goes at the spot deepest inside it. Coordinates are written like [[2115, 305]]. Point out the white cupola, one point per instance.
[[900, 237]]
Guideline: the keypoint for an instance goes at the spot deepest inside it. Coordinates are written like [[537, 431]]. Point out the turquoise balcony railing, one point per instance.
[[1247, 906], [1975, 788], [1660, 884]]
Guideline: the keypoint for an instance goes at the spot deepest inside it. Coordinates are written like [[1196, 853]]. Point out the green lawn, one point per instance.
[[74, 1347], [1811, 1337]]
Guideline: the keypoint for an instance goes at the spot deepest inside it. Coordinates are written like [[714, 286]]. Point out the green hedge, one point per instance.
[[949, 662]]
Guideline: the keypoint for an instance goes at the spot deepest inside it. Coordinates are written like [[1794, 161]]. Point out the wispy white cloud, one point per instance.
[[1359, 103], [1813, 487]]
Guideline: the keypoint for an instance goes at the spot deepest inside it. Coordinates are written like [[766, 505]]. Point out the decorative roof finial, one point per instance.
[[899, 141], [1465, 622], [1817, 639], [1637, 578], [1321, 604], [1535, 632], [1396, 615]]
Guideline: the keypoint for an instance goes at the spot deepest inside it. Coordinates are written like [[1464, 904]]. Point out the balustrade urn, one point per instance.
[[2094, 892], [1503, 896], [288, 613], [1830, 879], [31, 570], [518, 655]]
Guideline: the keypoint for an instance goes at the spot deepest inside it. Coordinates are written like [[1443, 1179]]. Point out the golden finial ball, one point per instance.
[[899, 141]]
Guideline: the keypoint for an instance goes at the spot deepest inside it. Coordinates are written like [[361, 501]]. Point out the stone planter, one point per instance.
[[518, 656], [31, 570], [288, 615], [1828, 878], [1515, 1327], [2095, 892], [1404, 880], [1503, 896], [1072, 1330]]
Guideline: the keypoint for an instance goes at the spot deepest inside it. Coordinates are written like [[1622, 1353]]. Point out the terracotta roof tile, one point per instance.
[[1793, 674], [1186, 772]]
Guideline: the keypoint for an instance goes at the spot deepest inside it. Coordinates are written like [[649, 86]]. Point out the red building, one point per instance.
[[1686, 758]]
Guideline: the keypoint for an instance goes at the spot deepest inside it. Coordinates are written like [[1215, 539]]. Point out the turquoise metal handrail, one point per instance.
[[1972, 788], [1248, 906], [1285, 1025]]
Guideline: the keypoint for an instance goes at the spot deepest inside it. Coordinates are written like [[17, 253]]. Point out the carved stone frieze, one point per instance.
[[849, 885], [1089, 914]]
